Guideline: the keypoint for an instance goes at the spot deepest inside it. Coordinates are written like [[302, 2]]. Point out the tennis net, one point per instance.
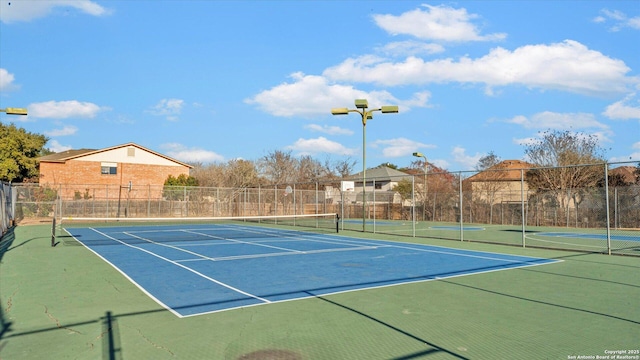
[[66, 230]]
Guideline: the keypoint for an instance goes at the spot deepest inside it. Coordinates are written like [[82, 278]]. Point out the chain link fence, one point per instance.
[[497, 208], [7, 207]]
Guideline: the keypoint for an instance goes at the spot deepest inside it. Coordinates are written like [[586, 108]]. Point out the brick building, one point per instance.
[[118, 166]]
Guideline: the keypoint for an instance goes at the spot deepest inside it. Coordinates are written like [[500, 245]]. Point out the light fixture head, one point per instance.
[[362, 103], [15, 111], [339, 111], [391, 109]]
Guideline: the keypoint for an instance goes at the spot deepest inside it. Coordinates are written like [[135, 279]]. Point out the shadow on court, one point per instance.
[[435, 348], [585, 291], [451, 282], [6, 240], [111, 347]]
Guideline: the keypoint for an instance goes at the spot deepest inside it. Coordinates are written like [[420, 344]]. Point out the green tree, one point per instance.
[[174, 187], [404, 187], [19, 152], [181, 180]]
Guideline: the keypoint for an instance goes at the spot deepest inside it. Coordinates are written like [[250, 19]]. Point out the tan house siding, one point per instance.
[[501, 183]]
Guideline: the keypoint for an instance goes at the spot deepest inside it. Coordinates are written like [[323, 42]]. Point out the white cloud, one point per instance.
[[619, 19], [191, 155], [440, 23], [23, 10], [331, 130], [560, 121], [6, 80], [312, 95], [399, 147], [170, 108], [410, 48], [320, 145], [568, 66], [622, 110], [66, 130], [64, 109], [573, 122], [466, 161], [56, 147]]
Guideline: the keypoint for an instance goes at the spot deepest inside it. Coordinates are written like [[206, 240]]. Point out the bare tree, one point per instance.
[[236, 173], [278, 167], [487, 161], [340, 168], [563, 172], [241, 174]]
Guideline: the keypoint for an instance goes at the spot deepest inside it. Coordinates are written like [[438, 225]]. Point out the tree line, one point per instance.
[[554, 158]]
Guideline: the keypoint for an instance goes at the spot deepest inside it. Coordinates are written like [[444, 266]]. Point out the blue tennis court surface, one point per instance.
[[197, 269]]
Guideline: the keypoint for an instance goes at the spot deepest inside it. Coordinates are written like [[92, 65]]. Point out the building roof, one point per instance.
[[628, 173], [64, 156], [381, 173], [508, 170]]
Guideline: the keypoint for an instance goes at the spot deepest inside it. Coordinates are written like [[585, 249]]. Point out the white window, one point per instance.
[[109, 168]]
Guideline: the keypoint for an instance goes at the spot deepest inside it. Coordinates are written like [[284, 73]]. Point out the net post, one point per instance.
[[337, 222], [53, 231]]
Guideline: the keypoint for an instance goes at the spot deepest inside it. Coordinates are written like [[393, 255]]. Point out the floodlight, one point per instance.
[[339, 111], [389, 109], [418, 154], [15, 111], [362, 103]]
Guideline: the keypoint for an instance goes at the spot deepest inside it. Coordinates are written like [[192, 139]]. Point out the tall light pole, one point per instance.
[[14, 111], [361, 108], [424, 202]]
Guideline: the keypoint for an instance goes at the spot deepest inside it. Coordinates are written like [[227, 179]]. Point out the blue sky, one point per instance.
[[211, 81]]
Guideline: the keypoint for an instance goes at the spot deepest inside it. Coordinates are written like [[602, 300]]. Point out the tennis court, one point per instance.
[[364, 296], [194, 269]]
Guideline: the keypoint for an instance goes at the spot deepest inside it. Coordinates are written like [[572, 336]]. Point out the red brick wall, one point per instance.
[[89, 173]]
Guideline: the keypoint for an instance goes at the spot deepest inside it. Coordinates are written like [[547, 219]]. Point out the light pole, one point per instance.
[[361, 108], [14, 111], [424, 202]]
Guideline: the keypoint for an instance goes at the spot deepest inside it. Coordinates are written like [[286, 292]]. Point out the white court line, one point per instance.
[[355, 240], [239, 241], [470, 255], [297, 235], [533, 238], [288, 251], [257, 256], [184, 267]]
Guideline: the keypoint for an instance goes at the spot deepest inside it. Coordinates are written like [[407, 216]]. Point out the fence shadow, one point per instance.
[[6, 240], [111, 346]]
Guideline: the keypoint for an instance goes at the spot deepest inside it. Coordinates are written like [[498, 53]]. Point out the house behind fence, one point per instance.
[[497, 206]]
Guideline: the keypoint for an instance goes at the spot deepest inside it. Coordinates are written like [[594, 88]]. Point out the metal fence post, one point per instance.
[[606, 201], [413, 205], [523, 215], [460, 203]]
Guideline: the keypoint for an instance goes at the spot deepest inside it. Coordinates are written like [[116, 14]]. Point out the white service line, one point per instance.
[[185, 267], [240, 241]]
